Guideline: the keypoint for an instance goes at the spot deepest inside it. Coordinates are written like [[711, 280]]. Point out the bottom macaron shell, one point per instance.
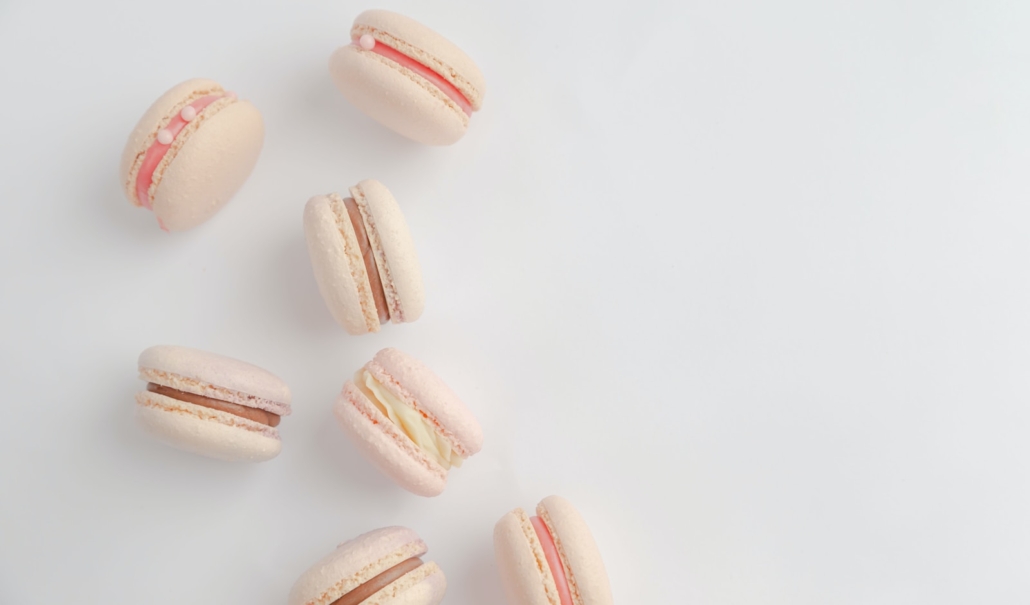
[[385, 446], [210, 168], [396, 97], [205, 431], [522, 564]]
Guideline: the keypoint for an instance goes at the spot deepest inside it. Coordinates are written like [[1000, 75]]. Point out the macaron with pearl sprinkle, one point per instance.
[[550, 558], [190, 153], [364, 258], [209, 404], [407, 422], [381, 567], [408, 78]]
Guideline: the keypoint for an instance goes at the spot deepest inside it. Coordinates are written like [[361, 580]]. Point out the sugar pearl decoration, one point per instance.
[[188, 113], [367, 42], [164, 136]]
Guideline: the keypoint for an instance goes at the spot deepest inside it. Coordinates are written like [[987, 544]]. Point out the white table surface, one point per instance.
[[745, 281]]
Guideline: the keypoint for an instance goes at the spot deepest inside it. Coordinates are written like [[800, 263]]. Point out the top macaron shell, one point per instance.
[[396, 96], [208, 161], [521, 560], [339, 269], [358, 560]]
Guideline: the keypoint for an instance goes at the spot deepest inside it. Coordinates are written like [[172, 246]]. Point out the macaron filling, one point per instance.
[[260, 416], [371, 269], [370, 44], [163, 143], [411, 422], [379, 582], [553, 559]]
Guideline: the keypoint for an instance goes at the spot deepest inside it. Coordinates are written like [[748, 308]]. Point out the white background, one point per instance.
[[745, 281]]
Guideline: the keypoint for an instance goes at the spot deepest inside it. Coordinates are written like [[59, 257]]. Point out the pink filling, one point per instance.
[[157, 151], [553, 560], [422, 70]]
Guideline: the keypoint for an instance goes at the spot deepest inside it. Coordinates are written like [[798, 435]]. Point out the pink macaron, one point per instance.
[[381, 567], [209, 404], [364, 258], [407, 422], [408, 78], [190, 153], [550, 558]]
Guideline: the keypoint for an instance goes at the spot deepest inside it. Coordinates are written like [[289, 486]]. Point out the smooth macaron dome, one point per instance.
[[363, 258], [550, 558], [382, 566], [407, 421], [210, 404], [408, 78], [190, 153]]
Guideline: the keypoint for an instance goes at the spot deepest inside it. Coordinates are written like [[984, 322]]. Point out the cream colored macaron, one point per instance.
[[190, 153], [550, 558], [408, 78], [364, 259], [210, 404]]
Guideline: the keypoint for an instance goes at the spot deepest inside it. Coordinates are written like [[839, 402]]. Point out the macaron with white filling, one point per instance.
[[408, 78], [210, 404], [407, 422], [550, 558], [364, 258], [381, 567], [190, 153]]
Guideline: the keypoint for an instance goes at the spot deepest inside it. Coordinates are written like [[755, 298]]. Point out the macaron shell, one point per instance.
[[143, 134], [579, 553], [210, 167], [195, 369], [521, 562], [205, 431], [385, 446], [425, 46], [397, 97], [429, 394], [355, 562], [394, 249]]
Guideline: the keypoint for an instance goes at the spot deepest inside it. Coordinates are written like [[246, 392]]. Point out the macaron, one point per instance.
[[190, 153], [209, 404], [550, 558], [408, 78], [364, 260], [383, 566], [407, 422]]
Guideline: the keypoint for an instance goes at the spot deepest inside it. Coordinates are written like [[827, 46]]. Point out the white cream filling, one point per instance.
[[409, 420]]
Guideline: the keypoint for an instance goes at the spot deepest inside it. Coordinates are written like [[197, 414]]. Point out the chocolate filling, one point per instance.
[[266, 418], [370, 260], [377, 583]]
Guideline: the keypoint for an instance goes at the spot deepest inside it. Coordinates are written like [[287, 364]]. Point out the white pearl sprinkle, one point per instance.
[[188, 113], [230, 95], [164, 136], [367, 42]]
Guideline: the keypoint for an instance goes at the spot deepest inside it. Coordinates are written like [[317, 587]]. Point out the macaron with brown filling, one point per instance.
[[210, 404], [364, 258], [382, 566]]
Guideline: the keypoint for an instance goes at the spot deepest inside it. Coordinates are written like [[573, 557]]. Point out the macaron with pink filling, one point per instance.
[[190, 153], [407, 422], [408, 78], [364, 258], [209, 404], [550, 558], [381, 567]]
